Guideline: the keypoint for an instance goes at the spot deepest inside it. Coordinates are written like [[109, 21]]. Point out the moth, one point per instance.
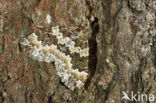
[[68, 51]]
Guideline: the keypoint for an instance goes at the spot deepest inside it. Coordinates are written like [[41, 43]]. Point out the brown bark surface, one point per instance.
[[122, 50]]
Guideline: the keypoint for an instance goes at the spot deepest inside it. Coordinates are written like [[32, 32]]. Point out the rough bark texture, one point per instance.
[[122, 55]]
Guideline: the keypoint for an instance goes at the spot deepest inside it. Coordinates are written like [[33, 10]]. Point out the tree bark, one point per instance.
[[122, 50]]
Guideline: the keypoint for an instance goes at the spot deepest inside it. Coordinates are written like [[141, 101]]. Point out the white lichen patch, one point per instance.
[[72, 78], [48, 19]]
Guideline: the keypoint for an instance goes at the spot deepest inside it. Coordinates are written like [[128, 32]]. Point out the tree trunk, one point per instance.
[[121, 38]]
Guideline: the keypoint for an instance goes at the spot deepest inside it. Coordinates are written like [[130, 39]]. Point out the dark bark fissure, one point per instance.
[[25, 96], [92, 64], [38, 2], [49, 99], [93, 47], [3, 44], [2, 98], [154, 51], [92, 50]]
